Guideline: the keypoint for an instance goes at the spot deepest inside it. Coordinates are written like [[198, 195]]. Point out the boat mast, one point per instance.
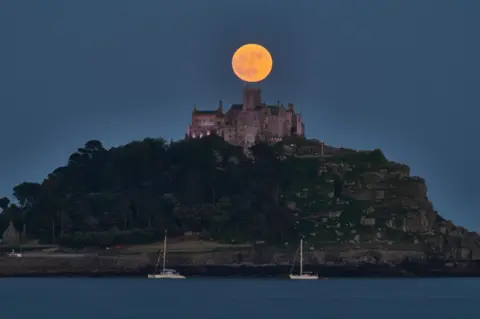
[[164, 250], [301, 256]]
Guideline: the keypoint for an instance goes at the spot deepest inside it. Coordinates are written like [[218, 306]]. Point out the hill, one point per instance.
[[337, 199]]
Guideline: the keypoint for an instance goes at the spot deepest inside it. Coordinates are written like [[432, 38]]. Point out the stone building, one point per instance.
[[244, 124], [11, 235]]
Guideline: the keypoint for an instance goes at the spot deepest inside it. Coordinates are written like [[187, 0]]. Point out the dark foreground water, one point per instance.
[[238, 298]]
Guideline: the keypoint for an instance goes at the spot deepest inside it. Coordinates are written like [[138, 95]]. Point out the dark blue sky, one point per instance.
[[399, 75]]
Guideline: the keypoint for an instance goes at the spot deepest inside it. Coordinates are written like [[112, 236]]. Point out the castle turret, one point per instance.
[[251, 98], [220, 107]]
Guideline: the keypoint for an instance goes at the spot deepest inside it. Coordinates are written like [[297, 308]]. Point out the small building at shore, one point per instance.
[[11, 236]]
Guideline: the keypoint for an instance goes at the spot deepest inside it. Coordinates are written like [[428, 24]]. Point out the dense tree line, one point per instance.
[[132, 193]]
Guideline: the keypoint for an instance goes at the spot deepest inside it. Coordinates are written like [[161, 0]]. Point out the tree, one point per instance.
[[4, 202], [27, 193], [93, 146]]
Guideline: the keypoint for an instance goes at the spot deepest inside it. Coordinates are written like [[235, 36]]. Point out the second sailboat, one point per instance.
[[302, 275]]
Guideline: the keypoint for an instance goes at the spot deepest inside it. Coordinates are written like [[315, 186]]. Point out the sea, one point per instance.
[[201, 298]]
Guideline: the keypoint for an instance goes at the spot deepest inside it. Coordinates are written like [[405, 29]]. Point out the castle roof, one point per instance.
[[274, 109], [217, 113], [205, 112]]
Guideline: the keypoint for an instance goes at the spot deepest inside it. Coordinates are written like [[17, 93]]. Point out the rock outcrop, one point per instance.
[[362, 199]]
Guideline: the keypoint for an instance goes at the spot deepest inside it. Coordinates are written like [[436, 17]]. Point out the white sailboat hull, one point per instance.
[[304, 277], [166, 276]]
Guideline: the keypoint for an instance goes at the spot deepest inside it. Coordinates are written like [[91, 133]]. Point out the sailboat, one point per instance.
[[166, 273], [302, 275]]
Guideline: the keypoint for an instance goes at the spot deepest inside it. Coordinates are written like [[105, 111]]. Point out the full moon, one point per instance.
[[252, 63]]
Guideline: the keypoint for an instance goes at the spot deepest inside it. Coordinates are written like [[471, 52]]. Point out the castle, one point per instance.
[[244, 124]]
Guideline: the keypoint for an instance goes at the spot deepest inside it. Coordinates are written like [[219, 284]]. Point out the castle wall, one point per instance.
[[299, 125], [229, 134], [280, 124], [204, 121]]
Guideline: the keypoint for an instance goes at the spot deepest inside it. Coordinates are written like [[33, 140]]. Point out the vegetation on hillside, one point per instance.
[[132, 193]]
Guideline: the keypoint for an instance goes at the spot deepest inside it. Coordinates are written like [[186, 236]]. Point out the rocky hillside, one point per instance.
[[339, 200], [360, 199]]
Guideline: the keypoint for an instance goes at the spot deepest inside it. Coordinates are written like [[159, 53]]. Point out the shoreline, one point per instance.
[[251, 271], [235, 263]]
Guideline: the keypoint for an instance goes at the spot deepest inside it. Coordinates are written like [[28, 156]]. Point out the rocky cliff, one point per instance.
[[362, 200]]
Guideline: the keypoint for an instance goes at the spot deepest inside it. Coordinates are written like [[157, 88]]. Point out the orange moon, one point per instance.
[[252, 63]]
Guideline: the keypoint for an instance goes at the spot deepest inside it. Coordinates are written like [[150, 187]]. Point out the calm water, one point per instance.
[[238, 298]]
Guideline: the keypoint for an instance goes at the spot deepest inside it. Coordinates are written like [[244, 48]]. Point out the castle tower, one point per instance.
[[251, 98]]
